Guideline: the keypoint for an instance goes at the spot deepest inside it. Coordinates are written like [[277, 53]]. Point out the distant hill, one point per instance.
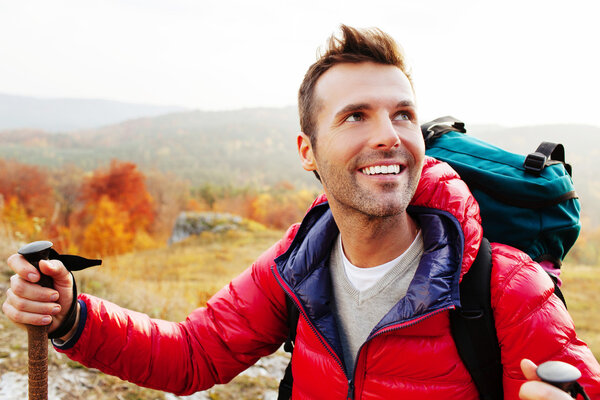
[[257, 146], [62, 115]]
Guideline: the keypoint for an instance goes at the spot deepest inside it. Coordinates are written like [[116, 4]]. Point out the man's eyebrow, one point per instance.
[[366, 106], [405, 103], [353, 107]]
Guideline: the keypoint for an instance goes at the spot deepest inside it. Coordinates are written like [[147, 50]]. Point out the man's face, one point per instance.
[[369, 149]]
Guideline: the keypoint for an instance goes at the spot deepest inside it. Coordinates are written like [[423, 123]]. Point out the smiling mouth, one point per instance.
[[382, 169]]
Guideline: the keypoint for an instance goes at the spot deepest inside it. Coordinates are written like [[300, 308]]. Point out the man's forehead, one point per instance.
[[362, 82]]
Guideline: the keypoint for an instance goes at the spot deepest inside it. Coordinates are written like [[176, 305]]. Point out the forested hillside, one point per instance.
[[245, 146]]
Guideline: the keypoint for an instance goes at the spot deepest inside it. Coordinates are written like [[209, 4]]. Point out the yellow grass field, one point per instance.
[[581, 287]]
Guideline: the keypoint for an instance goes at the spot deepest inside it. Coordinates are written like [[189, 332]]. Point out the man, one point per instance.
[[374, 268]]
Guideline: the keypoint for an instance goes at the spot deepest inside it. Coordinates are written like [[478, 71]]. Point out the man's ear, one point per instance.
[[305, 151]]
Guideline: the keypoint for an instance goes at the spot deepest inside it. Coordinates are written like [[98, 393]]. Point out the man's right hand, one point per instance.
[[28, 303]]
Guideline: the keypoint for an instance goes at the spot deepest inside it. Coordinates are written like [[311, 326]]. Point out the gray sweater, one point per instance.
[[357, 312]]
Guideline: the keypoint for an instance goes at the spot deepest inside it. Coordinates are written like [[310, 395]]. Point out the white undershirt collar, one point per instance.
[[364, 278]]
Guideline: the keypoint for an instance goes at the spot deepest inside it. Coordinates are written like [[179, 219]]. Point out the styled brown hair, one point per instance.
[[354, 46]]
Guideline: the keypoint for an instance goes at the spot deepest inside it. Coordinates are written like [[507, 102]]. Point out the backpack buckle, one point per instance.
[[535, 163], [436, 128]]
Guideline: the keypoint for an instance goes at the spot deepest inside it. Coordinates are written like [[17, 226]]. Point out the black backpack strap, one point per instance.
[[287, 382], [474, 330], [557, 290], [547, 153]]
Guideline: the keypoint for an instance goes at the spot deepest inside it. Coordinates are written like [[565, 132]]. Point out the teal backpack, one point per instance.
[[527, 202]]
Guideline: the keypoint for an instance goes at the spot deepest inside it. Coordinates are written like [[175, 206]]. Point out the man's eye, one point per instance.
[[402, 116], [355, 117]]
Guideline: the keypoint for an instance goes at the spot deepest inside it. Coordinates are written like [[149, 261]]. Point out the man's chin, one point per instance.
[[382, 210], [385, 204]]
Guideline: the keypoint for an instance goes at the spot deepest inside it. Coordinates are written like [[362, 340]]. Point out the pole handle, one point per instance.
[[563, 376], [33, 253]]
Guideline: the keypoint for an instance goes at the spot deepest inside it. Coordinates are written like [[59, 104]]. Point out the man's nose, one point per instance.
[[384, 135]]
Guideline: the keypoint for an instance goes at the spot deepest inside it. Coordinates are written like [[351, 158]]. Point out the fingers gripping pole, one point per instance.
[[38, 335], [562, 375]]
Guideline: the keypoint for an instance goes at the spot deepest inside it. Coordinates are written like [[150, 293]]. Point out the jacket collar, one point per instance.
[[304, 269]]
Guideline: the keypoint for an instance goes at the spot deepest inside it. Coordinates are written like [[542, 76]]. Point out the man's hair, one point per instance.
[[355, 46]]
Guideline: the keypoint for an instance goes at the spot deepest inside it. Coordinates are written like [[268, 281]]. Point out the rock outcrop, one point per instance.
[[190, 223]]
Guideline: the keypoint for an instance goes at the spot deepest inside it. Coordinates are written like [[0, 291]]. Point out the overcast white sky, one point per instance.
[[505, 62]]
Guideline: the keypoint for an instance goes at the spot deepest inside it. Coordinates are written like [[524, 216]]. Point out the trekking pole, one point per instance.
[[563, 376], [37, 336]]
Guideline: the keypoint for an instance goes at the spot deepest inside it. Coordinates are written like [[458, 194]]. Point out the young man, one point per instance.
[[374, 268]]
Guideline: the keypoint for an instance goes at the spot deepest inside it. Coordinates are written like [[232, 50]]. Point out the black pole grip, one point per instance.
[[33, 253], [563, 376]]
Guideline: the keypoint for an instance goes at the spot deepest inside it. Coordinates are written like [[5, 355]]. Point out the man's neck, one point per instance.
[[368, 242]]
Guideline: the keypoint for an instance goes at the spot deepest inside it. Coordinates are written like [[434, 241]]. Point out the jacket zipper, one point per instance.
[[409, 324], [310, 324], [320, 337], [350, 395]]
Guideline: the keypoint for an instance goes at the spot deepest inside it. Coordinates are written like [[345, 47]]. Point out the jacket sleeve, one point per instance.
[[532, 322], [241, 323]]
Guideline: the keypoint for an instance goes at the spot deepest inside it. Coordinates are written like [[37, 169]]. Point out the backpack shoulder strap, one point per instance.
[[474, 330], [287, 382]]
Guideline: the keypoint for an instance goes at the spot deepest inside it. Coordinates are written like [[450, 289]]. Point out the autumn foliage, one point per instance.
[[123, 185], [109, 211], [26, 198], [26, 185], [118, 208], [109, 230]]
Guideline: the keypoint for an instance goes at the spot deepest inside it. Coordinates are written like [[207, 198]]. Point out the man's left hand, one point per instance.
[[535, 389]]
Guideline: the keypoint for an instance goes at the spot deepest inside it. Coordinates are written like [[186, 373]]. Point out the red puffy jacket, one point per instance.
[[410, 354]]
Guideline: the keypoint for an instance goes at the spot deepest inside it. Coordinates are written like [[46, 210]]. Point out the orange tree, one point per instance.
[[117, 209]]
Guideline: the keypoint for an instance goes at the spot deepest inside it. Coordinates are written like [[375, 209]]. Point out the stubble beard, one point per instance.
[[390, 200]]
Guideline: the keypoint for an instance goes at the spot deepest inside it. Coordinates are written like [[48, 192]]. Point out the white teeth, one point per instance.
[[382, 169]]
